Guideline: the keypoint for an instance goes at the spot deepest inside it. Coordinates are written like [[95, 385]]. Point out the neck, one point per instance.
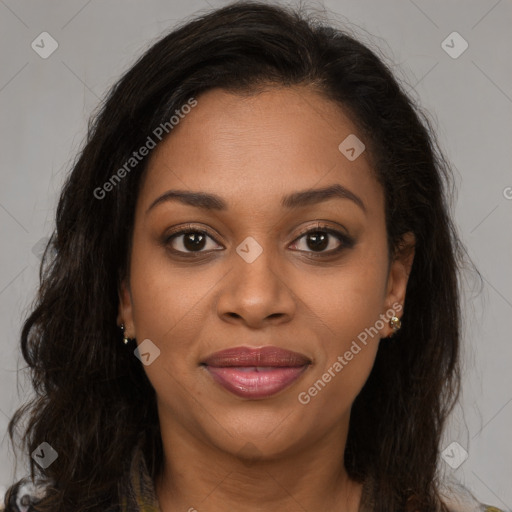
[[200, 476]]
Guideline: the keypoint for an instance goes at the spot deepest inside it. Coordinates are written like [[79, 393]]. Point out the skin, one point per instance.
[[221, 451]]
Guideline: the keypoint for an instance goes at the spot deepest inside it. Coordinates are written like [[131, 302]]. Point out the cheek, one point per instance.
[[346, 311], [169, 307], [348, 342], [168, 300], [346, 301]]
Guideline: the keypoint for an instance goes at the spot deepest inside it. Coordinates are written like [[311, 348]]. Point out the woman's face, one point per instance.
[[255, 279]]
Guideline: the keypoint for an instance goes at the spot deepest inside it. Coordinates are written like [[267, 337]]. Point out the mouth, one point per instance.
[[255, 373]]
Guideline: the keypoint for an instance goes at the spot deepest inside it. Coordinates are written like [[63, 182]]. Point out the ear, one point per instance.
[[125, 315], [399, 271]]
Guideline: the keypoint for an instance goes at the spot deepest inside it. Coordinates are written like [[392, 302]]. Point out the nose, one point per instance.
[[256, 293]]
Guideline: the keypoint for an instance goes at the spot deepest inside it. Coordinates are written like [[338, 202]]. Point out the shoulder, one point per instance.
[[23, 495], [459, 498]]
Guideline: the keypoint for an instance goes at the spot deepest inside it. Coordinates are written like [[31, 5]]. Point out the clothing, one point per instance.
[[138, 493]]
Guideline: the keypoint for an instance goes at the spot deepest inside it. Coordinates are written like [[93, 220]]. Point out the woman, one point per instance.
[[250, 299]]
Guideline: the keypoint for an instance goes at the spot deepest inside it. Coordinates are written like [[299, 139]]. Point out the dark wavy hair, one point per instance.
[[93, 400]]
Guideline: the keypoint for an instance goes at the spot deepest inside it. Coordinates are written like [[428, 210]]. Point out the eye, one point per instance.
[[320, 238], [190, 240]]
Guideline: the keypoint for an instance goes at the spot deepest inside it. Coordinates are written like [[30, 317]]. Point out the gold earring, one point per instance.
[[395, 323], [125, 339]]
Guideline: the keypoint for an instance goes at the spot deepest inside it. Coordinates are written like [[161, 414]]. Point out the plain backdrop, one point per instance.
[[45, 104]]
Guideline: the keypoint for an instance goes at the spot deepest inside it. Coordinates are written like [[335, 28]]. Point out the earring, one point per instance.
[[125, 339], [395, 323]]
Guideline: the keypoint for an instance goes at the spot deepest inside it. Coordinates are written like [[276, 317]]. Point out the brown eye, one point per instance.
[[319, 239], [188, 241]]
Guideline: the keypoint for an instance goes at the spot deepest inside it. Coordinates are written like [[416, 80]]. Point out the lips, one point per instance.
[[255, 373], [266, 356]]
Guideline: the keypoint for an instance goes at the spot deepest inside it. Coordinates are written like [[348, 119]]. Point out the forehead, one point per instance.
[[255, 147]]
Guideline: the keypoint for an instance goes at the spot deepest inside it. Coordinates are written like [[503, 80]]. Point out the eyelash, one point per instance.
[[347, 242]]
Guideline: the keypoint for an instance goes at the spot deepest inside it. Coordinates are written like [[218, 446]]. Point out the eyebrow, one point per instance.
[[299, 199]]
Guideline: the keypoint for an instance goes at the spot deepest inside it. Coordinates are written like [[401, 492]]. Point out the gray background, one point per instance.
[[45, 105]]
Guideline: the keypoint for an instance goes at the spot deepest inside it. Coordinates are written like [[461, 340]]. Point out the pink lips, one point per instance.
[[256, 373]]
